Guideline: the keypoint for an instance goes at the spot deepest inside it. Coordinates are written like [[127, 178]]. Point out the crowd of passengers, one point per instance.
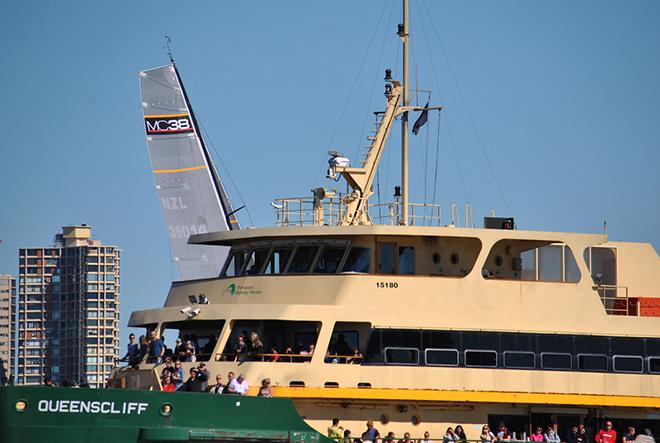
[[456, 434], [248, 347]]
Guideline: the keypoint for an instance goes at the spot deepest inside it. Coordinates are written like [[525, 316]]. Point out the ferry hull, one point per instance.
[[40, 414]]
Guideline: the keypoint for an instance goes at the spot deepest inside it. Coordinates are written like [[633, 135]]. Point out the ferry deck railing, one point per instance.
[[616, 301], [309, 211]]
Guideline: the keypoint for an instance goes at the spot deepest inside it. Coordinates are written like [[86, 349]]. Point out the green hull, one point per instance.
[[122, 415]]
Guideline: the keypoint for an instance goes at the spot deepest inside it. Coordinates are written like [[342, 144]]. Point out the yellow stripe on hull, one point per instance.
[[428, 395]]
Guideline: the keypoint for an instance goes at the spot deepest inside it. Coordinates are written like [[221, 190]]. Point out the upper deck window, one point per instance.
[[330, 259], [358, 260], [531, 260], [235, 263], [302, 260], [256, 260], [278, 260]]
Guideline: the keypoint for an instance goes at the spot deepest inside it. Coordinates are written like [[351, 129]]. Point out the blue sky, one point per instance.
[[564, 95]]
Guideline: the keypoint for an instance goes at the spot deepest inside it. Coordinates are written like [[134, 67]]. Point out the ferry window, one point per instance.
[[602, 264], [482, 358], [202, 335], [518, 342], [554, 360], [628, 363], [555, 343], [278, 260], [358, 260], [587, 344], [302, 259], [550, 263], [654, 365], [441, 357], [386, 260], [592, 362], [234, 263], [481, 340], [256, 260], [519, 360], [441, 339], [571, 270], [406, 260], [330, 259], [401, 356]]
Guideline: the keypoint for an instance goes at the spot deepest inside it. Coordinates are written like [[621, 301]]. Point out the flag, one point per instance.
[[421, 120]]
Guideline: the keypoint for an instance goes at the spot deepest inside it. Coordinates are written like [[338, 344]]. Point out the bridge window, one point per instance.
[[358, 261], [531, 260], [235, 263], [628, 363], [303, 258], [386, 258], [278, 260], [406, 260], [330, 259], [256, 260]]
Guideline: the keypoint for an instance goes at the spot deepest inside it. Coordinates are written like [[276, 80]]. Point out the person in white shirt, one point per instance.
[[427, 438], [238, 385]]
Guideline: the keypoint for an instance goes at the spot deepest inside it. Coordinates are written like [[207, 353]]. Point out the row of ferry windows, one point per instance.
[[514, 351], [298, 259]]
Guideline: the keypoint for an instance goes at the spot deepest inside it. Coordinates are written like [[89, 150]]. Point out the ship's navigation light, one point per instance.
[[20, 406]]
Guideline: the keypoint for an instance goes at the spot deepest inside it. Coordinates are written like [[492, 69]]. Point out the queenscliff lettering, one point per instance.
[[92, 407]]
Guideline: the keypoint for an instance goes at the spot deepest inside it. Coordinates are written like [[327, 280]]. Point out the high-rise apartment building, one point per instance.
[[68, 310], [7, 300]]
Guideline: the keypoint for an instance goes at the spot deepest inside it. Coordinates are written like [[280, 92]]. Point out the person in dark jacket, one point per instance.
[[193, 384]]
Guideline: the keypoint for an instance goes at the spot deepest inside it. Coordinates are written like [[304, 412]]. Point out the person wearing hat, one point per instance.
[[265, 390]]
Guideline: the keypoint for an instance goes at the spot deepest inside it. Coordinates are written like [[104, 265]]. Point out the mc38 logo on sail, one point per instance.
[[167, 124]]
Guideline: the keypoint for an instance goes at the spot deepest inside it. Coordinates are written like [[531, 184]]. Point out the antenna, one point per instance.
[[168, 46]]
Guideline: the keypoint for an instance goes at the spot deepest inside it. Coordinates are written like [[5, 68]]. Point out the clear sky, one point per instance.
[[565, 97]]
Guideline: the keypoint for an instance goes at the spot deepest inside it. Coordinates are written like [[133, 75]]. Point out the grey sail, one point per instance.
[[191, 194]]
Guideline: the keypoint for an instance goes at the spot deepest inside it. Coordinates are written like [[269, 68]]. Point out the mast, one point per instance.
[[403, 33]]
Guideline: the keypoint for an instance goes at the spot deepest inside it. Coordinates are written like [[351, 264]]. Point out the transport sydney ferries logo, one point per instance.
[[234, 289]]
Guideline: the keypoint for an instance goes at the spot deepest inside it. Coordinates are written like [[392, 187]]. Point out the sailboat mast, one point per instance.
[[403, 33]]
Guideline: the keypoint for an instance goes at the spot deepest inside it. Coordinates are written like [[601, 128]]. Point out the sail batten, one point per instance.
[[191, 194]]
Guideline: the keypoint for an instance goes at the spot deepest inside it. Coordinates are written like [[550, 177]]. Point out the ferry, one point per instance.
[[384, 313]]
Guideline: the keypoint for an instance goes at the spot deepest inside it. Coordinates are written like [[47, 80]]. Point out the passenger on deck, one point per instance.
[[230, 377], [177, 375], [241, 349], [583, 435], [203, 375], [48, 382], [406, 438], [275, 356], [335, 431], [347, 436], [289, 351], [460, 433], [218, 387], [168, 369], [132, 352], [427, 438], [256, 347], [356, 359], [572, 435], [537, 435], [180, 350], [551, 436], [209, 347], [645, 437], [389, 438], [450, 436], [238, 385], [144, 347], [265, 389], [371, 433], [156, 349], [193, 384], [503, 433], [607, 435], [191, 355], [307, 353], [629, 436], [342, 348], [486, 435], [168, 386]]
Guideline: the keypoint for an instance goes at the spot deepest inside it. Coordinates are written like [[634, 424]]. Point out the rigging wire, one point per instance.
[[209, 140], [451, 137], [467, 109], [350, 94]]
